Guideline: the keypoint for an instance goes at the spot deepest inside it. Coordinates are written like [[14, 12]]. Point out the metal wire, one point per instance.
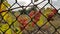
[[9, 10]]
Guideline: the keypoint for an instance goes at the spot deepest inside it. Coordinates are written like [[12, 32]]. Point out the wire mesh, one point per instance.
[[29, 21]]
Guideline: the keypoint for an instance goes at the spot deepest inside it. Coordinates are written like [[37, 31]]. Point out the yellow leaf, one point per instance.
[[4, 27]]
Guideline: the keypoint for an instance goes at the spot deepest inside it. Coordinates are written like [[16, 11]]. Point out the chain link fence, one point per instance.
[[29, 19]]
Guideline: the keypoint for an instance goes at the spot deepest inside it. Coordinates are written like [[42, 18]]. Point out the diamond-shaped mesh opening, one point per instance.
[[4, 27], [11, 2], [9, 18], [55, 3], [40, 5], [15, 5], [49, 28], [48, 9], [24, 19], [17, 27], [56, 20], [31, 27], [23, 2], [42, 20]]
